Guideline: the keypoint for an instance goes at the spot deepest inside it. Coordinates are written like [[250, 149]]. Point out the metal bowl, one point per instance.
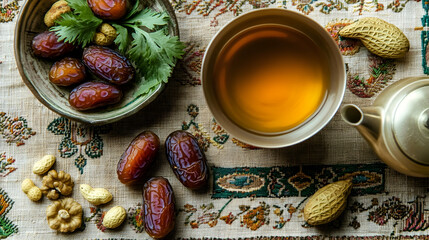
[[314, 31], [35, 71]]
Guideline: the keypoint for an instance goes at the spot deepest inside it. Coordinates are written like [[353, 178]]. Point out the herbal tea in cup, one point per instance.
[[271, 78]]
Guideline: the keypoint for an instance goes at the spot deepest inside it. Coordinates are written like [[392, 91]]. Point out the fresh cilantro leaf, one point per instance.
[[81, 7], [154, 54], [136, 8], [122, 40], [143, 41], [149, 18], [146, 87], [171, 48], [79, 26]]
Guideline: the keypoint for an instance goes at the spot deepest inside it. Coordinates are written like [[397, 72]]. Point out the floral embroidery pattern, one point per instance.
[[200, 133], [381, 71], [190, 66], [135, 218], [365, 5], [203, 137], [275, 182], [409, 216], [8, 10], [256, 217], [278, 211], [217, 8], [5, 165], [348, 46], [399, 5], [15, 129], [78, 140], [7, 227], [206, 217], [97, 216], [249, 217]]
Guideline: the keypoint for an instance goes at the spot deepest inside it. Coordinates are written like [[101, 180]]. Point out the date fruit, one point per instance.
[[67, 71], [187, 159], [138, 157], [108, 64], [94, 94], [159, 207], [108, 9], [46, 45]]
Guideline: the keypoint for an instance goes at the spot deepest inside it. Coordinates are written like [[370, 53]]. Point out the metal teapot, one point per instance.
[[397, 125]]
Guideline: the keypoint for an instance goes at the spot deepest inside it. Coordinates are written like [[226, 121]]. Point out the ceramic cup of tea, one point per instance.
[[273, 77]]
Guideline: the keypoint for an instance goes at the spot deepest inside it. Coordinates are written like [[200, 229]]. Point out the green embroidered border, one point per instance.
[[7, 227], [79, 139], [295, 181], [424, 37]]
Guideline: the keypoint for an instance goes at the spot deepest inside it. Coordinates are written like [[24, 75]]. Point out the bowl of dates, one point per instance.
[[95, 64]]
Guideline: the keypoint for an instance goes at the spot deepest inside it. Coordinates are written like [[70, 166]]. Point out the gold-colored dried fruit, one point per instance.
[[378, 36], [57, 9], [56, 183], [64, 215], [105, 35], [327, 203]]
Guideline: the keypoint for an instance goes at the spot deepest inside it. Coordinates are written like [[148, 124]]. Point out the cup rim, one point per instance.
[[266, 144]]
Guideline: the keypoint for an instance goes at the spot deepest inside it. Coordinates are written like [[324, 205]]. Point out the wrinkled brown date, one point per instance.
[[187, 159], [46, 45], [108, 64], [159, 207], [108, 9], [138, 157], [67, 71], [94, 94]]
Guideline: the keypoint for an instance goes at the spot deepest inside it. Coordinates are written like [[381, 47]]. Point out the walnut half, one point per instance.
[[64, 215], [56, 183]]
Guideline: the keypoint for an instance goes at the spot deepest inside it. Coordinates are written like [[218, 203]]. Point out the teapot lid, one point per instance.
[[411, 125]]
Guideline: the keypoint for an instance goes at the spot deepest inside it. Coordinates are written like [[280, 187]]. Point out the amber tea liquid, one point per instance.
[[271, 78]]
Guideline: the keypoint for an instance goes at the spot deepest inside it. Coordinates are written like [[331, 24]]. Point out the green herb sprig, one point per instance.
[[78, 27], [142, 37]]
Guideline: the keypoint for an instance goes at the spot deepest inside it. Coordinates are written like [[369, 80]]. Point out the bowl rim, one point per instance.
[[266, 144], [150, 97]]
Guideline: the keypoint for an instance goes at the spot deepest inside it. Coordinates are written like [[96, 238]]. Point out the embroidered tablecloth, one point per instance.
[[253, 193]]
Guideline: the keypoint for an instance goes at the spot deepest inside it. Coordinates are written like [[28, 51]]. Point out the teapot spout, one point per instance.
[[366, 120]]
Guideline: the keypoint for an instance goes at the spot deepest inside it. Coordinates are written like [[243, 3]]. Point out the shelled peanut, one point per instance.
[[114, 217], [44, 164], [31, 190], [95, 196]]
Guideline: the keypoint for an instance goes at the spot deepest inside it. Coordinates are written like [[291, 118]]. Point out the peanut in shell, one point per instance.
[[378, 36], [327, 203]]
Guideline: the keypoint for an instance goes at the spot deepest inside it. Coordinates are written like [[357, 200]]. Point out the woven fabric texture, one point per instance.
[[253, 193]]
